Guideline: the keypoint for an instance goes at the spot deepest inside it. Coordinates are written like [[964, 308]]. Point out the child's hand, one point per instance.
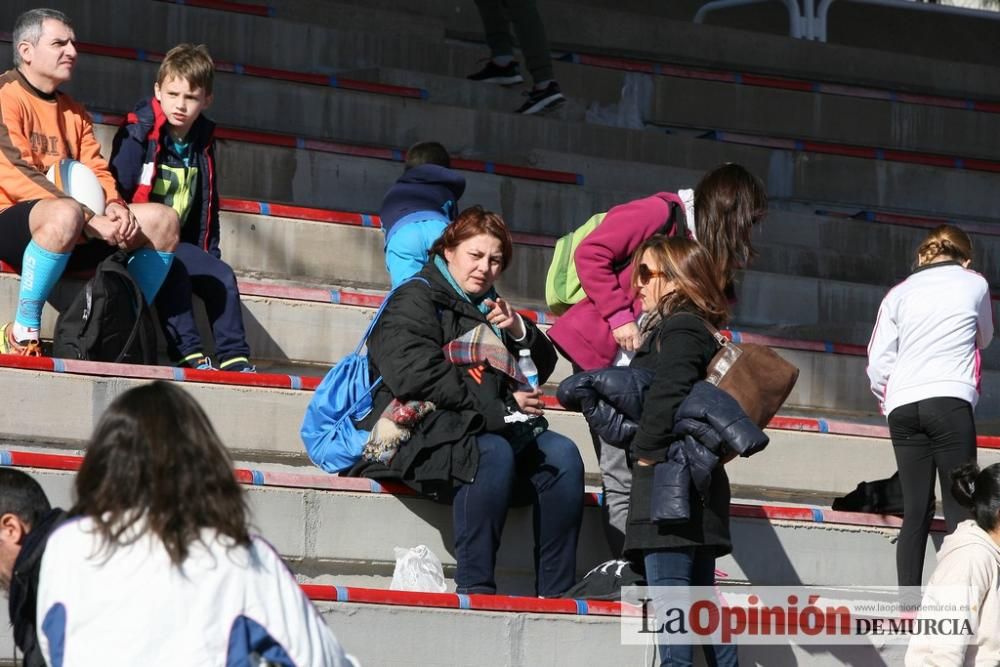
[[503, 316]]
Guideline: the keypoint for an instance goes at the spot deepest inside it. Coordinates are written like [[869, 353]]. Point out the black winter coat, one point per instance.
[[24, 587], [678, 352], [405, 348]]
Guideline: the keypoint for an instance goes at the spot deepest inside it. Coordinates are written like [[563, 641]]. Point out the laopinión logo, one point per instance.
[[803, 615]]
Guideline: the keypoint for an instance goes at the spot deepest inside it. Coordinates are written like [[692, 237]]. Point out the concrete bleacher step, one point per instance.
[[323, 526], [259, 417]]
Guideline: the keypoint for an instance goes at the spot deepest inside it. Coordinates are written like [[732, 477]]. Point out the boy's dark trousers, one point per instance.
[[199, 272]]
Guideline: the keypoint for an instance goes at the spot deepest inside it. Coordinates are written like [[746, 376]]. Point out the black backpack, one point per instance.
[[108, 320]]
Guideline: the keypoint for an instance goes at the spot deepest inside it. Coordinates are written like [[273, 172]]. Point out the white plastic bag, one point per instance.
[[417, 569]]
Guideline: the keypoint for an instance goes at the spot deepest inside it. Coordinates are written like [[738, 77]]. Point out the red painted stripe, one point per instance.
[[257, 137], [837, 149], [528, 605], [776, 82], [517, 172], [225, 6]]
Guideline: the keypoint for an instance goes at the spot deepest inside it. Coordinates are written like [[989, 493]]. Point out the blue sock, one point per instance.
[[40, 271], [149, 268]]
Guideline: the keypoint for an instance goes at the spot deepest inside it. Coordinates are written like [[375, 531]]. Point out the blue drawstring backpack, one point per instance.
[[344, 396]]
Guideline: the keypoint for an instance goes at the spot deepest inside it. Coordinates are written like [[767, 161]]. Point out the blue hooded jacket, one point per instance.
[[426, 188]]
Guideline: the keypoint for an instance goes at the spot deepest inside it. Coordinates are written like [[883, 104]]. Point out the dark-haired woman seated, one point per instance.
[[481, 444], [159, 566]]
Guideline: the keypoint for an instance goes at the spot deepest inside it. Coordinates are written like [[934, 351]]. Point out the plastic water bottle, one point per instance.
[[528, 369]]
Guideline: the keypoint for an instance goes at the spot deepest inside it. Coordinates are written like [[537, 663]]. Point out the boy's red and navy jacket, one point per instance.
[[138, 154]]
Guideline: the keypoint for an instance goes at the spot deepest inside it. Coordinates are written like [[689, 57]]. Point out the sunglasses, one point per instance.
[[646, 274]]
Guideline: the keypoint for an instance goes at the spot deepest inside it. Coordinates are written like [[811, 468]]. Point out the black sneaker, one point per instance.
[[545, 99], [493, 73]]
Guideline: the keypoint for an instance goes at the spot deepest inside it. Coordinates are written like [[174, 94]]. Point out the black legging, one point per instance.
[[935, 433]]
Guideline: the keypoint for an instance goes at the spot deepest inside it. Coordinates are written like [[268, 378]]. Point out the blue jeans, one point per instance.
[[407, 248], [550, 478], [685, 566]]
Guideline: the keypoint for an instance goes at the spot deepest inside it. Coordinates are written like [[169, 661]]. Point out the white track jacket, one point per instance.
[[927, 337], [224, 607]]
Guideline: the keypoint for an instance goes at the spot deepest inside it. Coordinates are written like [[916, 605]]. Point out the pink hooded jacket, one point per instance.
[[583, 333]]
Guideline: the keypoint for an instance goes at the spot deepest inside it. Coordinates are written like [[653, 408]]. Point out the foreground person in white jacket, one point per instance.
[[158, 567], [924, 367], [968, 566]]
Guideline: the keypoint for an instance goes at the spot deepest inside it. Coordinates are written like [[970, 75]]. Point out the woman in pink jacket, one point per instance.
[[602, 330]]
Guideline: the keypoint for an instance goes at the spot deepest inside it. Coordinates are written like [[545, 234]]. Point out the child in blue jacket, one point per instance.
[[166, 153], [418, 207]]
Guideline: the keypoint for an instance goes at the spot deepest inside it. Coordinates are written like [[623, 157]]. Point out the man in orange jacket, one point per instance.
[[42, 231]]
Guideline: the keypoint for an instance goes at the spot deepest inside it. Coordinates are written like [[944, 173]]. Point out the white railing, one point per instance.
[[809, 21]]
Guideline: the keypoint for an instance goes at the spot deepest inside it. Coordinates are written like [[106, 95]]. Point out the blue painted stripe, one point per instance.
[[657, 69], [271, 12], [824, 427], [737, 77], [375, 486], [798, 144], [893, 97], [879, 154], [817, 514], [334, 296], [296, 381], [397, 155], [490, 168], [959, 163], [817, 87], [179, 375], [869, 216], [600, 499], [6, 459], [265, 208], [238, 68], [257, 478], [581, 607], [300, 142], [579, 179], [58, 366], [827, 346], [463, 601], [737, 336], [140, 54], [97, 116], [367, 221], [970, 105], [342, 594], [333, 82], [424, 94]]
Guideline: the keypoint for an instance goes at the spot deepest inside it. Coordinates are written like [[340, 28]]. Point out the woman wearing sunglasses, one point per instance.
[[680, 287], [602, 329]]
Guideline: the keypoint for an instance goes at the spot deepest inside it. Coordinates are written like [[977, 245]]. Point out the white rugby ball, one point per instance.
[[77, 180]]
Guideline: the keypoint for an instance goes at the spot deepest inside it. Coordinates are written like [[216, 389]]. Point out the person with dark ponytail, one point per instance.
[[925, 369], [969, 562]]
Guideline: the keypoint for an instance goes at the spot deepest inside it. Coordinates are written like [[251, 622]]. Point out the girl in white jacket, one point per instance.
[[924, 367], [967, 575], [157, 565]]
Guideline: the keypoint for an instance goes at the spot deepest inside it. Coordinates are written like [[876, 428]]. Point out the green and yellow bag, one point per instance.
[[562, 284]]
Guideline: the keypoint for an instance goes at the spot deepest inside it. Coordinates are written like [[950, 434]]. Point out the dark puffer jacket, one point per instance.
[[710, 421], [610, 399]]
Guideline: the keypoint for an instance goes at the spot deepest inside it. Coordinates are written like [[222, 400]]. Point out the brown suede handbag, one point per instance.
[[753, 374]]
